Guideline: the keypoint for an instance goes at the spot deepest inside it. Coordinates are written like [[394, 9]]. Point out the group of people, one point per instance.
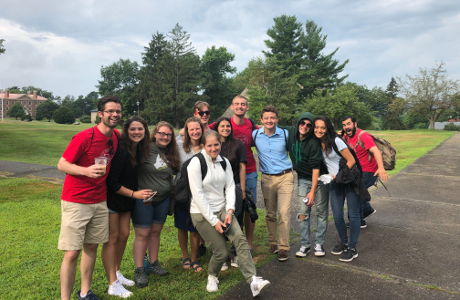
[[136, 179]]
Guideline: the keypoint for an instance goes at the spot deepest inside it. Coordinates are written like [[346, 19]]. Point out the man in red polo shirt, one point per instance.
[[85, 217], [369, 157]]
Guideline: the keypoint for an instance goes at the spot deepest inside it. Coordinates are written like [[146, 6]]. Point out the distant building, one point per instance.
[[93, 115], [441, 125], [29, 102]]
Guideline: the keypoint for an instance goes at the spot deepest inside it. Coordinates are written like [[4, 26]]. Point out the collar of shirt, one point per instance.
[[209, 159], [278, 131]]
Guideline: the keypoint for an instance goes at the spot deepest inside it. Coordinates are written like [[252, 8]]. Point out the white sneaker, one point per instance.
[[117, 289], [123, 280], [234, 262], [258, 284], [303, 251], [224, 267], [319, 250], [212, 284]]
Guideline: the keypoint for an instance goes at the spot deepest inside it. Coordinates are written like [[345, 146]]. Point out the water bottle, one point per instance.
[[146, 262]]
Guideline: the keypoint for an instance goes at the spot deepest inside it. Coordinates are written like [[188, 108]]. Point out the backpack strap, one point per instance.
[[204, 166], [253, 124], [359, 140], [286, 140], [254, 139]]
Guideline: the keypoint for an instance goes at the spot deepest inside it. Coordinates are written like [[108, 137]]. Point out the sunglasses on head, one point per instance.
[[202, 113], [303, 123], [110, 144]]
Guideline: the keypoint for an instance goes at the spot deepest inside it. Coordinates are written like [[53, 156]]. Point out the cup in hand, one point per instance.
[[101, 161]]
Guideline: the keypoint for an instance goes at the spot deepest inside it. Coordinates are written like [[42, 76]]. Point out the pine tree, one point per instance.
[[392, 89]]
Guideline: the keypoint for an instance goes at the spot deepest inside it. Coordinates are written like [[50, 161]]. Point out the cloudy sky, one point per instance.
[[60, 45]]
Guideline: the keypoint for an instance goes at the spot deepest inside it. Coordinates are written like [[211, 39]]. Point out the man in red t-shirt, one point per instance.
[[369, 157], [85, 217]]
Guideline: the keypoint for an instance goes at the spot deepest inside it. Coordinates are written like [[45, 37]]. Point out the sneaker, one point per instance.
[[212, 285], [363, 224], [123, 280], [155, 268], [89, 296], [303, 251], [367, 215], [348, 255], [257, 285], [273, 248], [140, 277], [117, 289], [224, 267], [338, 249], [319, 250], [283, 255], [234, 262], [201, 251]]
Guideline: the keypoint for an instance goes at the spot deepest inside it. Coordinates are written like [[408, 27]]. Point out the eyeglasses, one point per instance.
[[110, 144], [303, 123], [111, 112], [163, 134], [202, 113]]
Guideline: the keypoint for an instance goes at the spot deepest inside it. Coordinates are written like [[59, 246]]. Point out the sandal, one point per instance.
[[186, 263], [196, 266]]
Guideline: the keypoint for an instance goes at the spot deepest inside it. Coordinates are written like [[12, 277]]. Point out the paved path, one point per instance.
[[33, 171], [410, 250]]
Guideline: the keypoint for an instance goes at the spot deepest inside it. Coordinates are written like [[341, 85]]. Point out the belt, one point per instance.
[[280, 174]]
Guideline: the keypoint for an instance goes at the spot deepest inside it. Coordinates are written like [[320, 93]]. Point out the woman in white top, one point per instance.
[[212, 210], [188, 147], [327, 136]]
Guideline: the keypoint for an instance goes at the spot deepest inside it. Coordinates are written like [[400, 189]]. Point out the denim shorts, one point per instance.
[[144, 216], [251, 183]]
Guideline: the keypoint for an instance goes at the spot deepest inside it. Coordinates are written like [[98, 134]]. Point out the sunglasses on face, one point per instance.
[[202, 113], [164, 134], [110, 144], [303, 123]]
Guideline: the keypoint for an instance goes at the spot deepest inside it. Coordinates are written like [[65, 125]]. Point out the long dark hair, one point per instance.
[[230, 146], [187, 140], [330, 134], [172, 155], [143, 147]]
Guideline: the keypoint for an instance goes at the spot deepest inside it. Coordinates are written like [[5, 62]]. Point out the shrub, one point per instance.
[[63, 115], [420, 126], [28, 117], [85, 119], [98, 119], [452, 127]]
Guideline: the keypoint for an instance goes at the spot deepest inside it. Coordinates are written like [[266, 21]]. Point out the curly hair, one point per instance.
[[171, 154], [143, 147]]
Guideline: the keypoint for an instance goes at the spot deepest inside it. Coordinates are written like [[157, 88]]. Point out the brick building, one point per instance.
[[29, 102]]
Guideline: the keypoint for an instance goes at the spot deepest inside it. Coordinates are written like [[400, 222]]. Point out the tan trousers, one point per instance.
[[277, 192]]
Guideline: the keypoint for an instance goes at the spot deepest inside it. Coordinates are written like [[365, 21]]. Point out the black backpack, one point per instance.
[[182, 193]]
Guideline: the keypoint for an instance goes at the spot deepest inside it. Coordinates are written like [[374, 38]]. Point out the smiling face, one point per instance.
[[203, 114], [163, 137], [304, 127], [349, 127], [320, 129], [212, 146], [111, 115], [224, 129], [239, 106], [136, 132], [269, 120], [194, 131]]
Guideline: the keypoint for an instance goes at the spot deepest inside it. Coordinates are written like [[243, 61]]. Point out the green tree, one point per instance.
[[63, 115], [215, 65], [46, 110], [120, 79], [2, 49], [338, 103], [15, 111], [430, 93], [393, 119], [392, 89], [40, 92], [376, 98]]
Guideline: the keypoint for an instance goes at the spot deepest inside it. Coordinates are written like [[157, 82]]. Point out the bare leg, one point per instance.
[[154, 242], [125, 219], [88, 259], [182, 236], [140, 245], [109, 255], [68, 270], [194, 243]]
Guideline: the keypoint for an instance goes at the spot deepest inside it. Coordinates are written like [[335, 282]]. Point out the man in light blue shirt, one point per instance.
[[277, 179]]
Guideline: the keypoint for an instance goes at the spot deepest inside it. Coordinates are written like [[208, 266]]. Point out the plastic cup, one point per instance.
[[101, 161]]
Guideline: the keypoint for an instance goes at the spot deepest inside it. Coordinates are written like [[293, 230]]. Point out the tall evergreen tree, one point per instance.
[[392, 89]]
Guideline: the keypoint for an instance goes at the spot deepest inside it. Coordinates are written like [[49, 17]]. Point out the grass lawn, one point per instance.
[[31, 262]]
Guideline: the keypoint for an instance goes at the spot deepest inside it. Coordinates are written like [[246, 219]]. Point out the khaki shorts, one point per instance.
[[83, 224]]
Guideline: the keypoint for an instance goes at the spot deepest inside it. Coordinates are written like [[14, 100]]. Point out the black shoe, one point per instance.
[[140, 277], [363, 224], [348, 255], [201, 251], [338, 249], [367, 215], [89, 296], [155, 268]]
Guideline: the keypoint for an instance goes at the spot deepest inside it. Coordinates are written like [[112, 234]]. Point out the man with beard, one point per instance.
[[277, 180], [372, 165], [85, 217]]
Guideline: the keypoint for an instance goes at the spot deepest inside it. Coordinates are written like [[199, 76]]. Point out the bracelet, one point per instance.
[[132, 194], [229, 213]]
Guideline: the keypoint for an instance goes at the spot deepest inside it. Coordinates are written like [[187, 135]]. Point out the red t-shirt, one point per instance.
[[363, 153], [82, 151], [244, 134]]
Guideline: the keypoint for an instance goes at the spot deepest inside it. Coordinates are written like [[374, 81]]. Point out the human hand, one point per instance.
[[142, 194], [244, 194], [311, 197], [228, 218], [383, 174], [95, 171], [218, 227]]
